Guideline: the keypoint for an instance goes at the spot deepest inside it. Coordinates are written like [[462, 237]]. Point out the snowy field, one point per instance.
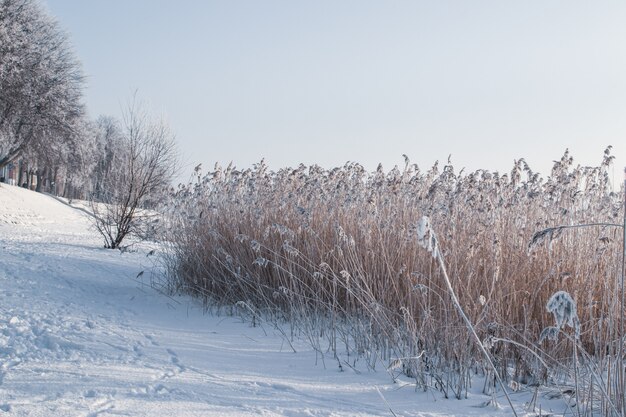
[[82, 335]]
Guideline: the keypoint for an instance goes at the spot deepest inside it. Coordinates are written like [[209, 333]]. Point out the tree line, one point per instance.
[[50, 144]]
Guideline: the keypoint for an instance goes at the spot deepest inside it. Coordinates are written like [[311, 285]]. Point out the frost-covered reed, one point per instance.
[[336, 253]]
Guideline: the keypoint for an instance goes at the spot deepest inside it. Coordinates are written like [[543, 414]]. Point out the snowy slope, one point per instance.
[[81, 335]]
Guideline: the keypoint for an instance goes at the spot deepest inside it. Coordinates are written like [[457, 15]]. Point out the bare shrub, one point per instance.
[[141, 164]]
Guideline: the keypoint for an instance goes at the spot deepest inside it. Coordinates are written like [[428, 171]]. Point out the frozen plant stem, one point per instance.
[[622, 388], [428, 240], [470, 327]]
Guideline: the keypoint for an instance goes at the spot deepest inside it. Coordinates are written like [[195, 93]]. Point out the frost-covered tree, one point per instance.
[[109, 149], [137, 162], [40, 80], [64, 165], [79, 157]]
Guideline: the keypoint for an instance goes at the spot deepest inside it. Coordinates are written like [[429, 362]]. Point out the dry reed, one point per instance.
[[335, 254]]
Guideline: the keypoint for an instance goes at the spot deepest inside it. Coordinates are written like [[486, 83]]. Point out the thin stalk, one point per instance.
[[620, 359], [576, 385], [578, 226], [470, 327]]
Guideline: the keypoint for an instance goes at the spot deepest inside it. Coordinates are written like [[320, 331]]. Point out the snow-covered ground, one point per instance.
[[82, 335]]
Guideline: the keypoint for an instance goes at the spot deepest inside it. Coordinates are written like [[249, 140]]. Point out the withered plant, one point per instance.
[[335, 254]]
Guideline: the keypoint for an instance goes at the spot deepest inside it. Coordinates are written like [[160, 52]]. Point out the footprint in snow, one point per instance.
[[90, 394], [151, 339], [175, 360], [138, 349]]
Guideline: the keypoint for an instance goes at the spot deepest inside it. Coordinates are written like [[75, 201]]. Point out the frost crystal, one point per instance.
[[260, 261], [289, 248], [549, 332], [549, 235], [421, 288], [426, 237], [563, 308], [345, 275], [256, 246], [482, 300], [488, 342]]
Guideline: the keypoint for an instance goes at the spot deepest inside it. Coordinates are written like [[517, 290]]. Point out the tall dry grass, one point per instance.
[[335, 254]]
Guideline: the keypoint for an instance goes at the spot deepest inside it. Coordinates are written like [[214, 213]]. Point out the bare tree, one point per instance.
[[140, 167]]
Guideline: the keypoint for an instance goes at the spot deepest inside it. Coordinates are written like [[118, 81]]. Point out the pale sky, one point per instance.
[[325, 82]]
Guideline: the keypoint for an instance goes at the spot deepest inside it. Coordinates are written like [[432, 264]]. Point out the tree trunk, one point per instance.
[[66, 189], [48, 180], [38, 176], [20, 177], [55, 178]]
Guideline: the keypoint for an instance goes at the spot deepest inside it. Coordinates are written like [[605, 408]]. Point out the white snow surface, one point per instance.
[[82, 335]]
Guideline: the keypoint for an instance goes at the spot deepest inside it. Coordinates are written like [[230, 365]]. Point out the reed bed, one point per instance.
[[335, 254]]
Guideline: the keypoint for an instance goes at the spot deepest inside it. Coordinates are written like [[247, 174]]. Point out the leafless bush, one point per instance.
[[140, 169]]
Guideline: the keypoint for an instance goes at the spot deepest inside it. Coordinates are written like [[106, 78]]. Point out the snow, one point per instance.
[[82, 335]]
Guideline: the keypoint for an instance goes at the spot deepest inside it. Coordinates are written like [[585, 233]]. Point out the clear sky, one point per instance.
[[330, 81]]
